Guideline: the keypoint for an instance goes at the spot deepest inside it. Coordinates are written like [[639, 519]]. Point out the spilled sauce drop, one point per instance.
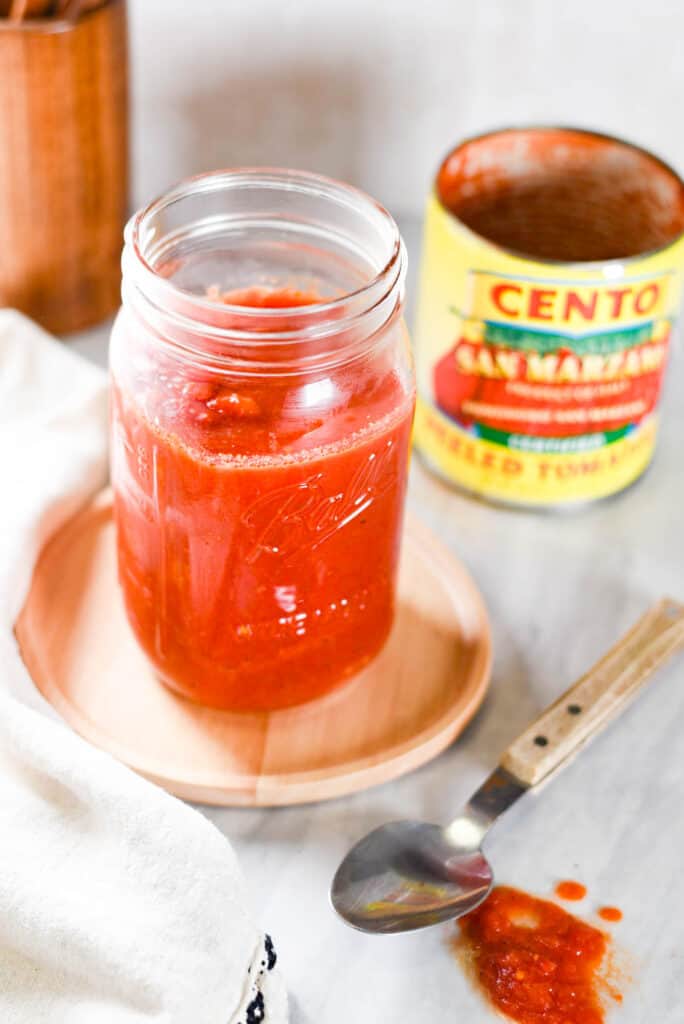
[[535, 962], [569, 890], [610, 914]]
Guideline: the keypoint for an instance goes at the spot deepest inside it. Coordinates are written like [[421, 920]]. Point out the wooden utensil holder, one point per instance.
[[63, 165]]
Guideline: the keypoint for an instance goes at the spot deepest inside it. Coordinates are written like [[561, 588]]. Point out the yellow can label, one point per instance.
[[539, 383]]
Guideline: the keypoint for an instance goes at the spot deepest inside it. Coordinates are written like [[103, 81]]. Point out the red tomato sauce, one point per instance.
[[259, 524], [569, 890], [535, 962], [613, 914]]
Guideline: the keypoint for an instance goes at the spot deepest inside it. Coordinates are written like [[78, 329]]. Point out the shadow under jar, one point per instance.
[[262, 401]]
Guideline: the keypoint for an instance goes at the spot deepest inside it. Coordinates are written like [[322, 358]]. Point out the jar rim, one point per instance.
[[389, 274]]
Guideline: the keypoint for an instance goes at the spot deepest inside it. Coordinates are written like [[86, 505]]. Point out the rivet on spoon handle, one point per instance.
[[602, 693]]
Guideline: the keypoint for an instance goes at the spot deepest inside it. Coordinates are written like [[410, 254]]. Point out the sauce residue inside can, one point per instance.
[[551, 276]]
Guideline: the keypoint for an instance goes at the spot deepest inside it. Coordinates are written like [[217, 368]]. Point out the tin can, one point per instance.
[[551, 276]]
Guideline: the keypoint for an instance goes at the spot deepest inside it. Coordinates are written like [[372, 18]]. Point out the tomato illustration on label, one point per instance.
[[518, 380]]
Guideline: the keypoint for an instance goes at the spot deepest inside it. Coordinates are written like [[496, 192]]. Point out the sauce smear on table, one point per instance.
[[535, 962]]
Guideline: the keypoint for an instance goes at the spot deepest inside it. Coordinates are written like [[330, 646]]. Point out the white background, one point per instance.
[[375, 92]]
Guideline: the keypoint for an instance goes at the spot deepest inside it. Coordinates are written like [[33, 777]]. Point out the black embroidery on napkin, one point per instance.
[[256, 1011], [270, 953]]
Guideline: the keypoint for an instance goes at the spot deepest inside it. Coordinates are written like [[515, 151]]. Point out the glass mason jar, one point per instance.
[[262, 400]]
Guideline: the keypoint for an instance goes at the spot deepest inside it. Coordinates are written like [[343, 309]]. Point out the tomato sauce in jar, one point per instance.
[[261, 415]]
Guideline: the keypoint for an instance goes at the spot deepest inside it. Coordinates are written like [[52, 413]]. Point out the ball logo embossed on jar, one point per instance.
[[304, 515]]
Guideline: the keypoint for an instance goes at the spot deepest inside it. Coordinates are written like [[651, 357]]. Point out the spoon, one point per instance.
[[410, 874]]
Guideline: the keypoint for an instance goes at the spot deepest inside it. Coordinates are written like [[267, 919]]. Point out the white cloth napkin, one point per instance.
[[118, 904]]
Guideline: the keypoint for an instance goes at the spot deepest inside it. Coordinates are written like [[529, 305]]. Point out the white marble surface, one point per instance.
[[376, 93], [560, 590]]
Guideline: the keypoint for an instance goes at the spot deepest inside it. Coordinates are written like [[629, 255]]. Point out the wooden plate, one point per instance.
[[395, 715]]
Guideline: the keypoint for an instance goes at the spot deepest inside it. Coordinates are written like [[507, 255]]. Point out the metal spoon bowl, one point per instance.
[[409, 874]]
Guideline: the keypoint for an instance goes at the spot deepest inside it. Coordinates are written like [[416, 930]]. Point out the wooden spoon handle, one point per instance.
[[601, 694]]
